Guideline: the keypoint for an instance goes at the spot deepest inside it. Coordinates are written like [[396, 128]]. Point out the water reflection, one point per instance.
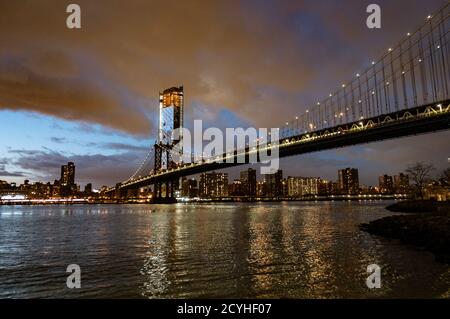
[[288, 250], [312, 250]]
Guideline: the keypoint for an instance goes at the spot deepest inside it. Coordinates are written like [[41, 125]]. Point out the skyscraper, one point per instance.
[[67, 182], [348, 181], [68, 174], [248, 180]]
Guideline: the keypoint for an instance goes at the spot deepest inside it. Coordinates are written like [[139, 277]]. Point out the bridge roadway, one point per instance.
[[423, 119]]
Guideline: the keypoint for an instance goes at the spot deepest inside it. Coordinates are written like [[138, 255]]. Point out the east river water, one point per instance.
[[249, 250]]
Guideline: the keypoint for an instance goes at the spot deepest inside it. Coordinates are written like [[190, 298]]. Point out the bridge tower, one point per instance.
[[169, 146]]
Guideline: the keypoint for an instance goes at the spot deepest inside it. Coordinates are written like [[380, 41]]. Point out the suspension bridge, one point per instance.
[[404, 92]]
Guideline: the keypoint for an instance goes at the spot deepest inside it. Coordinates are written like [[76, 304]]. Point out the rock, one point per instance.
[[419, 206], [430, 231]]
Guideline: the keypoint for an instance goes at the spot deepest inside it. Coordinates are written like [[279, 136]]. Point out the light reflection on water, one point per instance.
[[275, 250]]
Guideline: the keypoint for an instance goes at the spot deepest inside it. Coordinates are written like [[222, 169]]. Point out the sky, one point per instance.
[[90, 95]]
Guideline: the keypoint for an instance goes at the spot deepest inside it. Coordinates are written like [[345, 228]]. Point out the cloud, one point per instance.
[[225, 53], [243, 56], [125, 147], [109, 145], [59, 140], [96, 168], [5, 173]]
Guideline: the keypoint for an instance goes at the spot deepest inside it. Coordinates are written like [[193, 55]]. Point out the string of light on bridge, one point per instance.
[[379, 88]]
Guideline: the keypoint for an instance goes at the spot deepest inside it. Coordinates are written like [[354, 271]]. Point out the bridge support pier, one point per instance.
[[164, 192]]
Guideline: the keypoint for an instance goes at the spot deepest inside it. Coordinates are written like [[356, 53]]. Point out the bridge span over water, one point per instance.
[[405, 92]]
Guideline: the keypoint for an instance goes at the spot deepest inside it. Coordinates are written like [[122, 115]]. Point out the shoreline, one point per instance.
[[423, 224], [203, 201]]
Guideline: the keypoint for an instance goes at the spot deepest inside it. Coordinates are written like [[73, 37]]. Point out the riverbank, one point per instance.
[[428, 226], [336, 198], [419, 206]]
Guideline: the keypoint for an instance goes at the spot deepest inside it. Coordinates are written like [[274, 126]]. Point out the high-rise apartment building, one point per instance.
[[213, 185], [248, 182], [348, 181]]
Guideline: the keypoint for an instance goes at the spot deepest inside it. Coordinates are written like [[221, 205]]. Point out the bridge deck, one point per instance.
[[419, 120]]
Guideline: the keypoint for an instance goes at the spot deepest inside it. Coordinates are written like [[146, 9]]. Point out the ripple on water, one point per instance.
[[249, 250]]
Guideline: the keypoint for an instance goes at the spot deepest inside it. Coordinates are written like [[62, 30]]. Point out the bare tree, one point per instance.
[[419, 173]]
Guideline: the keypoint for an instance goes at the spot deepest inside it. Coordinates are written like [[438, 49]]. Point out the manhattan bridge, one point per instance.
[[404, 92]]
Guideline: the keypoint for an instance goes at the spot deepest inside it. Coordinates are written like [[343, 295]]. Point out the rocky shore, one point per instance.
[[428, 226], [419, 206]]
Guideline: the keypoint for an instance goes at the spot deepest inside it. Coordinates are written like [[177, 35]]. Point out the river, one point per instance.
[[221, 250]]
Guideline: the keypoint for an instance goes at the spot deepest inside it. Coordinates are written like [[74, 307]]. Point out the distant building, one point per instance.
[[437, 191], [88, 188], [6, 188], [68, 174], [274, 184], [261, 189], [67, 182], [248, 180], [213, 185], [236, 188], [189, 188], [325, 187], [401, 183], [302, 186], [348, 181], [56, 189], [386, 184], [284, 187]]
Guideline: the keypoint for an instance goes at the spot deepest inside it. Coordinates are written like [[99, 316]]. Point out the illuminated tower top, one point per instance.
[[170, 115]]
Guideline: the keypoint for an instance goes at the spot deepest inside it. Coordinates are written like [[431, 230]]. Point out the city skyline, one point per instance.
[[233, 173], [92, 129], [219, 184]]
